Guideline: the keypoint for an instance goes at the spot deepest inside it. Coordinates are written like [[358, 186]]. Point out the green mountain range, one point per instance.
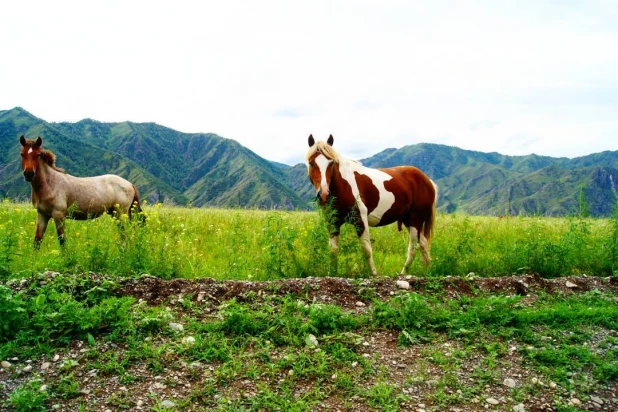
[[203, 169]]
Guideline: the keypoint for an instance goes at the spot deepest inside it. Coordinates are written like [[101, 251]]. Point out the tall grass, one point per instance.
[[262, 245]]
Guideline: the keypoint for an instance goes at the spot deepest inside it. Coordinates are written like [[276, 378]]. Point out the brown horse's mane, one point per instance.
[[324, 148], [50, 159]]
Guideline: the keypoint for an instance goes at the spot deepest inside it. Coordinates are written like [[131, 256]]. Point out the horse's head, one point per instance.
[[321, 161], [31, 153]]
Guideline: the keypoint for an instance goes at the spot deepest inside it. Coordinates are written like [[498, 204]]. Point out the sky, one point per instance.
[[513, 77]]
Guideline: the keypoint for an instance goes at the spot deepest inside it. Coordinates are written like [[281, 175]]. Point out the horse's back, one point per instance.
[[411, 185], [99, 194]]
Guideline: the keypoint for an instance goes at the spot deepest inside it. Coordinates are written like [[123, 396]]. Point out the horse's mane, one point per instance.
[[50, 159], [324, 148], [328, 151]]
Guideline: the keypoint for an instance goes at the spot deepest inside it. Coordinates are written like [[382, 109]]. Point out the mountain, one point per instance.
[[199, 169], [203, 169]]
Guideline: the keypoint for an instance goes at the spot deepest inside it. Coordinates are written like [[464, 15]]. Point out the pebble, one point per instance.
[[553, 385], [43, 388], [168, 404], [597, 400], [56, 358], [519, 408], [45, 366], [189, 340], [570, 284], [28, 368], [575, 402], [534, 381], [140, 403], [176, 327], [402, 284], [492, 401], [360, 304], [6, 365], [509, 382]]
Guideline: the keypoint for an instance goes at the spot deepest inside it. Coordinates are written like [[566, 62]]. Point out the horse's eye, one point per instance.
[[39, 154], [21, 154]]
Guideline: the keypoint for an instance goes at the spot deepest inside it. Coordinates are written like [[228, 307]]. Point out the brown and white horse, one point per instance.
[[54, 191], [373, 197]]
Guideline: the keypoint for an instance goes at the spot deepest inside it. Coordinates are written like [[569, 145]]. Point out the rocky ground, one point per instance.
[[404, 366]]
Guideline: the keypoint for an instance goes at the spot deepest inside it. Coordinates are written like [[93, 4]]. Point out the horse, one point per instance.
[[58, 195], [372, 197]]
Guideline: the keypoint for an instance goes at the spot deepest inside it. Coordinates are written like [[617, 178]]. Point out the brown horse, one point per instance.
[[58, 195], [373, 197]]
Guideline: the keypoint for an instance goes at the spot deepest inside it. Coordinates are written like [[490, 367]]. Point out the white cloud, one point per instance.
[[515, 78]]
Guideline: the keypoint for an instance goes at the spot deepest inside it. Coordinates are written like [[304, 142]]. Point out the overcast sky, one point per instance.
[[515, 77]]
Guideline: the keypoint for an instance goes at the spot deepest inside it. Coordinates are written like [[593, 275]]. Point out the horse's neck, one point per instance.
[[344, 168], [44, 179]]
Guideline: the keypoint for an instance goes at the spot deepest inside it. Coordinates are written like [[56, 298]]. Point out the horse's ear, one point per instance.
[[22, 140], [311, 140], [38, 142], [330, 140]]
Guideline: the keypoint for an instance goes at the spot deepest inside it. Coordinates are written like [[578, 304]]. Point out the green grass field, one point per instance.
[[264, 245]]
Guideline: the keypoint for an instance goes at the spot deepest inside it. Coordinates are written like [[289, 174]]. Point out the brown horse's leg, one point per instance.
[[411, 249], [59, 220], [41, 227]]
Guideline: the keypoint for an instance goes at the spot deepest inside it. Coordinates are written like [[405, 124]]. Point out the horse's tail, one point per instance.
[[429, 223], [136, 206]]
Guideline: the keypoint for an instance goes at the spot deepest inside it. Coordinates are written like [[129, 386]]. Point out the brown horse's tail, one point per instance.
[[136, 206], [429, 223]]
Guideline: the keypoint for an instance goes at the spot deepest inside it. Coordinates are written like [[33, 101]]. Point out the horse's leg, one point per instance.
[[333, 241], [365, 240], [41, 227], [411, 249], [424, 245], [59, 220]]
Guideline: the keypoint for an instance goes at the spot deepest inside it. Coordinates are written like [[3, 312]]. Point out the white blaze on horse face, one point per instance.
[[322, 163], [29, 150], [378, 178]]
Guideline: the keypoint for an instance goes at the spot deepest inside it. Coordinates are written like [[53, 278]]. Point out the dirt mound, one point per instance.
[[349, 292]]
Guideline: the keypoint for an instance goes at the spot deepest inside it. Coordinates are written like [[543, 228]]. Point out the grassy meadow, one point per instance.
[[179, 242]]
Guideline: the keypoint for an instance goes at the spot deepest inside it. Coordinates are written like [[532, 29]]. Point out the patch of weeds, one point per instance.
[[383, 396], [120, 400], [67, 387], [28, 397], [109, 364], [282, 398]]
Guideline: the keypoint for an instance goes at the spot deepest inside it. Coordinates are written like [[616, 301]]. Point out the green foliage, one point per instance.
[[56, 313], [28, 397]]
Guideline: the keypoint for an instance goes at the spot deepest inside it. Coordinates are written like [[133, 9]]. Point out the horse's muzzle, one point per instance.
[[29, 175], [322, 196]]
